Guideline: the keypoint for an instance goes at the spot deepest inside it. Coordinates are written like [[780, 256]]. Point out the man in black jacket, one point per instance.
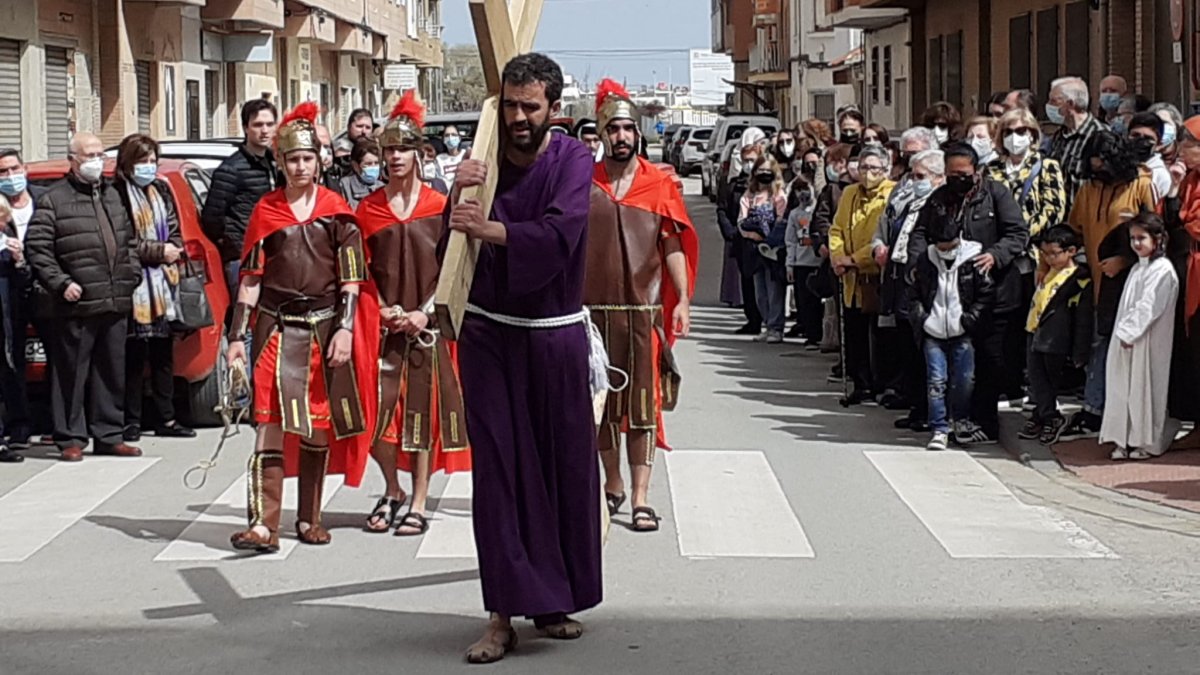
[[988, 214], [237, 185], [82, 250]]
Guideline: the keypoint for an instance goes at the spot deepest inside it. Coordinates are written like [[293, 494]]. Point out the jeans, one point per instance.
[[950, 364], [1093, 389], [771, 293]]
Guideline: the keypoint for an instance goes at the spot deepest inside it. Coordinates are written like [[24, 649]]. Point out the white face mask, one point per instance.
[[942, 134], [983, 147], [787, 148], [92, 170], [1017, 144], [950, 255]]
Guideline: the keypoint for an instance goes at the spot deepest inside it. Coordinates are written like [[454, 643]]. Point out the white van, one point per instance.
[[715, 167]]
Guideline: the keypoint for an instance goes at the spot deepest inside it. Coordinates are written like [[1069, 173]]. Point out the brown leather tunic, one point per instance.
[[405, 269], [623, 288], [303, 267]]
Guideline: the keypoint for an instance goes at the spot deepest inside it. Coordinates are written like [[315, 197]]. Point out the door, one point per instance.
[[10, 94], [193, 109], [141, 71], [58, 109]]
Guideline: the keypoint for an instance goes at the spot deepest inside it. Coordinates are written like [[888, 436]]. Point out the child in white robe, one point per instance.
[[1139, 357]]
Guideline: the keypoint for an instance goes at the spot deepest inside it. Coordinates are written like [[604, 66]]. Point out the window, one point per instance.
[[212, 80], [936, 73], [887, 75], [823, 106], [1047, 48], [953, 68], [876, 66], [169, 96], [1019, 31], [198, 181], [1078, 56]]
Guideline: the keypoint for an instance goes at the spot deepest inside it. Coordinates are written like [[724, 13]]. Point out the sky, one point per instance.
[[589, 25]]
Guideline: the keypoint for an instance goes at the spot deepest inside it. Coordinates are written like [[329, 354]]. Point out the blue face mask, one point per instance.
[[1168, 138], [13, 185], [922, 188], [1118, 126], [452, 142], [1110, 100], [370, 173], [1054, 114], [144, 173]]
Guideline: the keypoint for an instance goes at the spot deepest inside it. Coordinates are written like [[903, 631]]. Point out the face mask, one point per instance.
[[787, 149], [747, 168], [849, 137], [808, 168], [1017, 144], [1168, 133], [1119, 127], [804, 197], [764, 177], [92, 170], [831, 174], [1110, 100], [922, 188], [872, 180], [452, 142], [144, 173], [983, 147], [950, 255], [960, 185], [1142, 147], [1054, 114], [370, 173], [14, 185], [941, 133]]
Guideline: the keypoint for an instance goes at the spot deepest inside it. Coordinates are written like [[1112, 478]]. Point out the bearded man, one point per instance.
[[523, 353], [641, 269], [301, 269]]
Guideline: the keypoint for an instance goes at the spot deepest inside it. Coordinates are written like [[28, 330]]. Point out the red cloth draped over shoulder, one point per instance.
[[347, 456], [655, 191]]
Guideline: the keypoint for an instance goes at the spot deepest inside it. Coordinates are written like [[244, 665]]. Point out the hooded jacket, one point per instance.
[[949, 299]]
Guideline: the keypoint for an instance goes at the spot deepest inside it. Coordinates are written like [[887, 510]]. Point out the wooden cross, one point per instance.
[[503, 30]]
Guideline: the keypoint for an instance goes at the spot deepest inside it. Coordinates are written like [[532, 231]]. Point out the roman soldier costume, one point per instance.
[[307, 269], [420, 407], [628, 288]]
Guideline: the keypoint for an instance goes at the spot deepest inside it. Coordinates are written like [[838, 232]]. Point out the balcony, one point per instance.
[[249, 15], [351, 39], [308, 25], [767, 63], [864, 14], [433, 29]]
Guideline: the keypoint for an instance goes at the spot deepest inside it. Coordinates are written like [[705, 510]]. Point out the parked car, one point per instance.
[[665, 139], [200, 355], [206, 154], [689, 152], [717, 159], [671, 150]]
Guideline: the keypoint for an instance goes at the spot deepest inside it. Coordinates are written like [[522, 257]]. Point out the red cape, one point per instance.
[[347, 456], [375, 214], [655, 191]]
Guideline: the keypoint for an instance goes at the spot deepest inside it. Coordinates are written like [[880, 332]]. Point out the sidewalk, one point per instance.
[[1173, 479]]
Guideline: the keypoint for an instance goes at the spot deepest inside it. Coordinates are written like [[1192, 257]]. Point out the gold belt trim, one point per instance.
[[311, 319]]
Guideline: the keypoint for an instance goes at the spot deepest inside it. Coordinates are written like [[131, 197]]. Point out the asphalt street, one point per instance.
[[797, 537]]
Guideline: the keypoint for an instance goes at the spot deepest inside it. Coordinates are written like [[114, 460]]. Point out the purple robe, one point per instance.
[[528, 399]]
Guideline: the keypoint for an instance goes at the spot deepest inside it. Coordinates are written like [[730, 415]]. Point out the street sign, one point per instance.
[[400, 76], [709, 72]]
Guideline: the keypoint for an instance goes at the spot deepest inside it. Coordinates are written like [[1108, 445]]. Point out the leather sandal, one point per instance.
[[569, 629], [412, 520], [314, 535], [614, 502], [388, 517], [491, 652], [643, 514], [249, 540]]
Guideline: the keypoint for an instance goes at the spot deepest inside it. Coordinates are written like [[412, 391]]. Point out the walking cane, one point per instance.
[[844, 401]]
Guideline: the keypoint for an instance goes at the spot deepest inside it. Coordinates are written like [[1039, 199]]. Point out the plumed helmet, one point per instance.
[[614, 103], [298, 130], [404, 125]]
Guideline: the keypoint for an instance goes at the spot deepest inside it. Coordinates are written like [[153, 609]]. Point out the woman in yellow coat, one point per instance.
[[858, 213]]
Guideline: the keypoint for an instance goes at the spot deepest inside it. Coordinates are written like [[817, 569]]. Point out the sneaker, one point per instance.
[[774, 337], [940, 441], [1118, 454], [8, 456], [1083, 424], [748, 329], [969, 433], [834, 379], [762, 337], [812, 346], [1031, 430], [794, 332], [1051, 430]]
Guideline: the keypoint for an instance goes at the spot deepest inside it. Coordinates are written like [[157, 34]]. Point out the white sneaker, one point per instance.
[[774, 337], [762, 337], [940, 441]]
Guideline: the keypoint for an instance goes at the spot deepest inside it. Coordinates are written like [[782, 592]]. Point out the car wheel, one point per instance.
[[204, 397]]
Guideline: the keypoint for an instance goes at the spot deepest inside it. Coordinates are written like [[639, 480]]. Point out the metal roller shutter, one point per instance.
[[142, 72], [10, 94], [58, 112]]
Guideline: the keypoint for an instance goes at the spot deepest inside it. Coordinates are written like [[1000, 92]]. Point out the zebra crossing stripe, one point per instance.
[[450, 532]]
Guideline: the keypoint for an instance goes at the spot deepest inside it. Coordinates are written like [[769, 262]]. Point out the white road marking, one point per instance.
[[450, 532], [973, 515], [207, 537], [760, 523], [46, 505]]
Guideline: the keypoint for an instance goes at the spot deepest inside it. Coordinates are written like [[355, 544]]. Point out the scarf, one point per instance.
[[154, 297], [1045, 293], [909, 216], [1189, 214]]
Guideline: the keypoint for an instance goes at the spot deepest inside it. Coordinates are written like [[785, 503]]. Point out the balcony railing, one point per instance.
[[433, 29], [766, 57]]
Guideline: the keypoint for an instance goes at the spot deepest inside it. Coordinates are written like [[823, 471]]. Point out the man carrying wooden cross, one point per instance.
[[523, 357]]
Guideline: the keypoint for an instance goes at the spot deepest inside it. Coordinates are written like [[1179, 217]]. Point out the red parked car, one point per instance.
[[200, 355]]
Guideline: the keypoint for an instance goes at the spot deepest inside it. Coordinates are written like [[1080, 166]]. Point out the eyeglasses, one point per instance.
[[1019, 130], [870, 169]]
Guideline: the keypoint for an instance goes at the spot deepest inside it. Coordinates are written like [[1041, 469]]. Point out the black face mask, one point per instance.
[[1143, 148], [849, 137], [960, 185], [809, 168], [764, 177]]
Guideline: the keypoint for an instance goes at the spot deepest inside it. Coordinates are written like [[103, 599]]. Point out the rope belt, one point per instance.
[[598, 363]]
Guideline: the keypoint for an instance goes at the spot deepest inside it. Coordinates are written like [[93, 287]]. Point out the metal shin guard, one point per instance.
[[313, 464], [265, 490]]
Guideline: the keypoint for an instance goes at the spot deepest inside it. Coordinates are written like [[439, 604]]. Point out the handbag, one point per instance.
[[192, 311]]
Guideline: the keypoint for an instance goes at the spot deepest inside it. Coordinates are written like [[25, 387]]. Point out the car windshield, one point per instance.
[[701, 134]]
